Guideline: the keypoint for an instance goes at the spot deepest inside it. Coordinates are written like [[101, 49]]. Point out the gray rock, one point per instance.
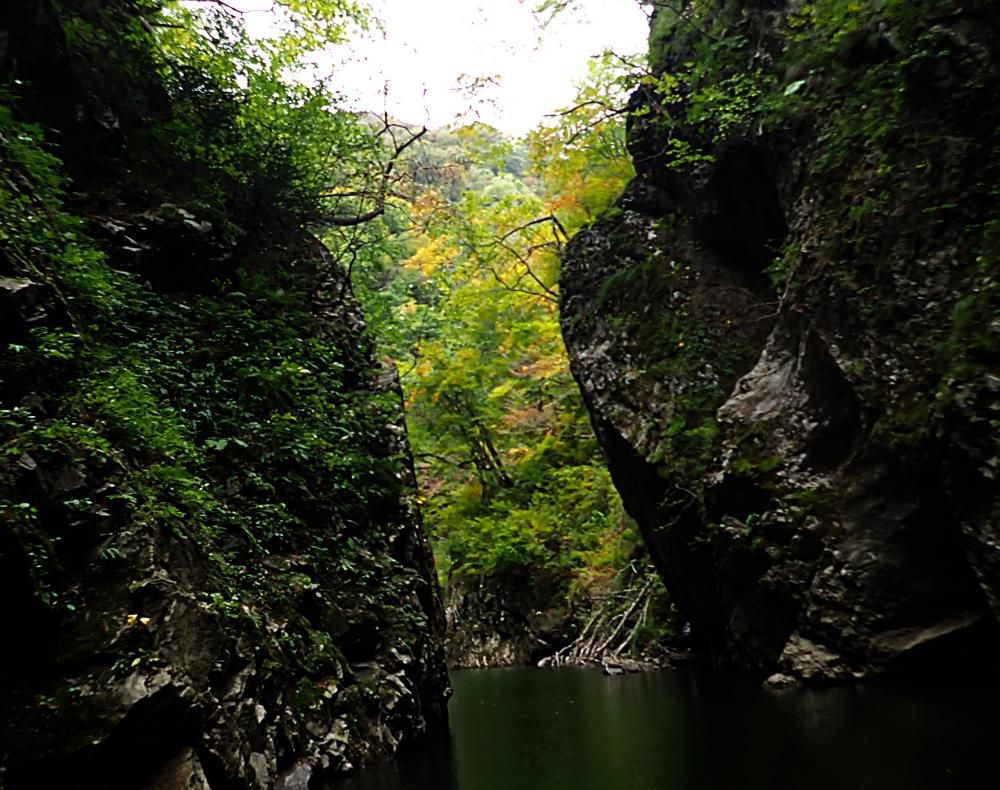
[[817, 490]]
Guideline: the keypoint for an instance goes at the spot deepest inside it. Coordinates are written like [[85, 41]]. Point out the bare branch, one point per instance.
[[549, 294], [222, 4], [683, 13], [442, 459], [581, 105], [550, 218], [386, 178]]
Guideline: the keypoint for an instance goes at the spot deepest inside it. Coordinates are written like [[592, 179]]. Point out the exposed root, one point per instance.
[[610, 637]]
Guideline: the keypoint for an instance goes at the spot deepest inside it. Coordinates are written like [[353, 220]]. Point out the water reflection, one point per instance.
[[429, 765], [528, 729]]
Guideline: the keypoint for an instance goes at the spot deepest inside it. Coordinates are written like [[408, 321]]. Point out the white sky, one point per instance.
[[430, 44], [415, 70]]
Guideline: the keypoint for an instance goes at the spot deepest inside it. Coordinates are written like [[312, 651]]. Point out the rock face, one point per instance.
[[787, 335], [212, 565], [508, 624], [142, 665]]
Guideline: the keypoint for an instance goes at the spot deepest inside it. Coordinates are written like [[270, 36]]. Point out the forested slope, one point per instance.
[[537, 558]]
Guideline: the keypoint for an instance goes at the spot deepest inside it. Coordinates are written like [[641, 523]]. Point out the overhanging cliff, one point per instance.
[[787, 331]]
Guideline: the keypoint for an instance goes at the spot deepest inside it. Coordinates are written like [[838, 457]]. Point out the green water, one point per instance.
[[529, 729]]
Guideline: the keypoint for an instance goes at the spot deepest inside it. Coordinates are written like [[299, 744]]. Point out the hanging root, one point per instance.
[[609, 639]]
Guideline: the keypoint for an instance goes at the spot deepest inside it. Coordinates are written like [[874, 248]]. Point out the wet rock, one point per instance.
[[780, 681], [183, 772]]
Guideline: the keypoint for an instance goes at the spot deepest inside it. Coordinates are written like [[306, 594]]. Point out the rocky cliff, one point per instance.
[[212, 567], [506, 624], [787, 332]]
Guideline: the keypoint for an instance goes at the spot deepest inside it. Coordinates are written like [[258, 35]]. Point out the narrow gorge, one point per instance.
[[682, 407]]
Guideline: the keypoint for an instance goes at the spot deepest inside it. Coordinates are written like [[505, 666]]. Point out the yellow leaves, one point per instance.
[[428, 203], [501, 390], [132, 619], [432, 256], [544, 367], [552, 365], [466, 356]]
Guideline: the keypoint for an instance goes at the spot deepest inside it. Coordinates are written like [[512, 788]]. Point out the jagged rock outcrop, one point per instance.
[[212, 565], [787, 333]]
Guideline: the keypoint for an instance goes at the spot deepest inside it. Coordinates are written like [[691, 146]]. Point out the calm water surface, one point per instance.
[[531, 729]]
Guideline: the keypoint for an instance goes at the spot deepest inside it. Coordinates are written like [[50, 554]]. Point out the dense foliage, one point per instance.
[[188, 403], [515, 487]]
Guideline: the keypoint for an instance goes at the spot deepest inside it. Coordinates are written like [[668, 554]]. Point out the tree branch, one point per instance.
[[386, 178], [581, 105], [549, 294], [550, 218], [222, 4], [442, 459]]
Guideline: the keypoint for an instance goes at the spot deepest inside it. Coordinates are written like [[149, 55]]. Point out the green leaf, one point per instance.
[[795, 87]]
